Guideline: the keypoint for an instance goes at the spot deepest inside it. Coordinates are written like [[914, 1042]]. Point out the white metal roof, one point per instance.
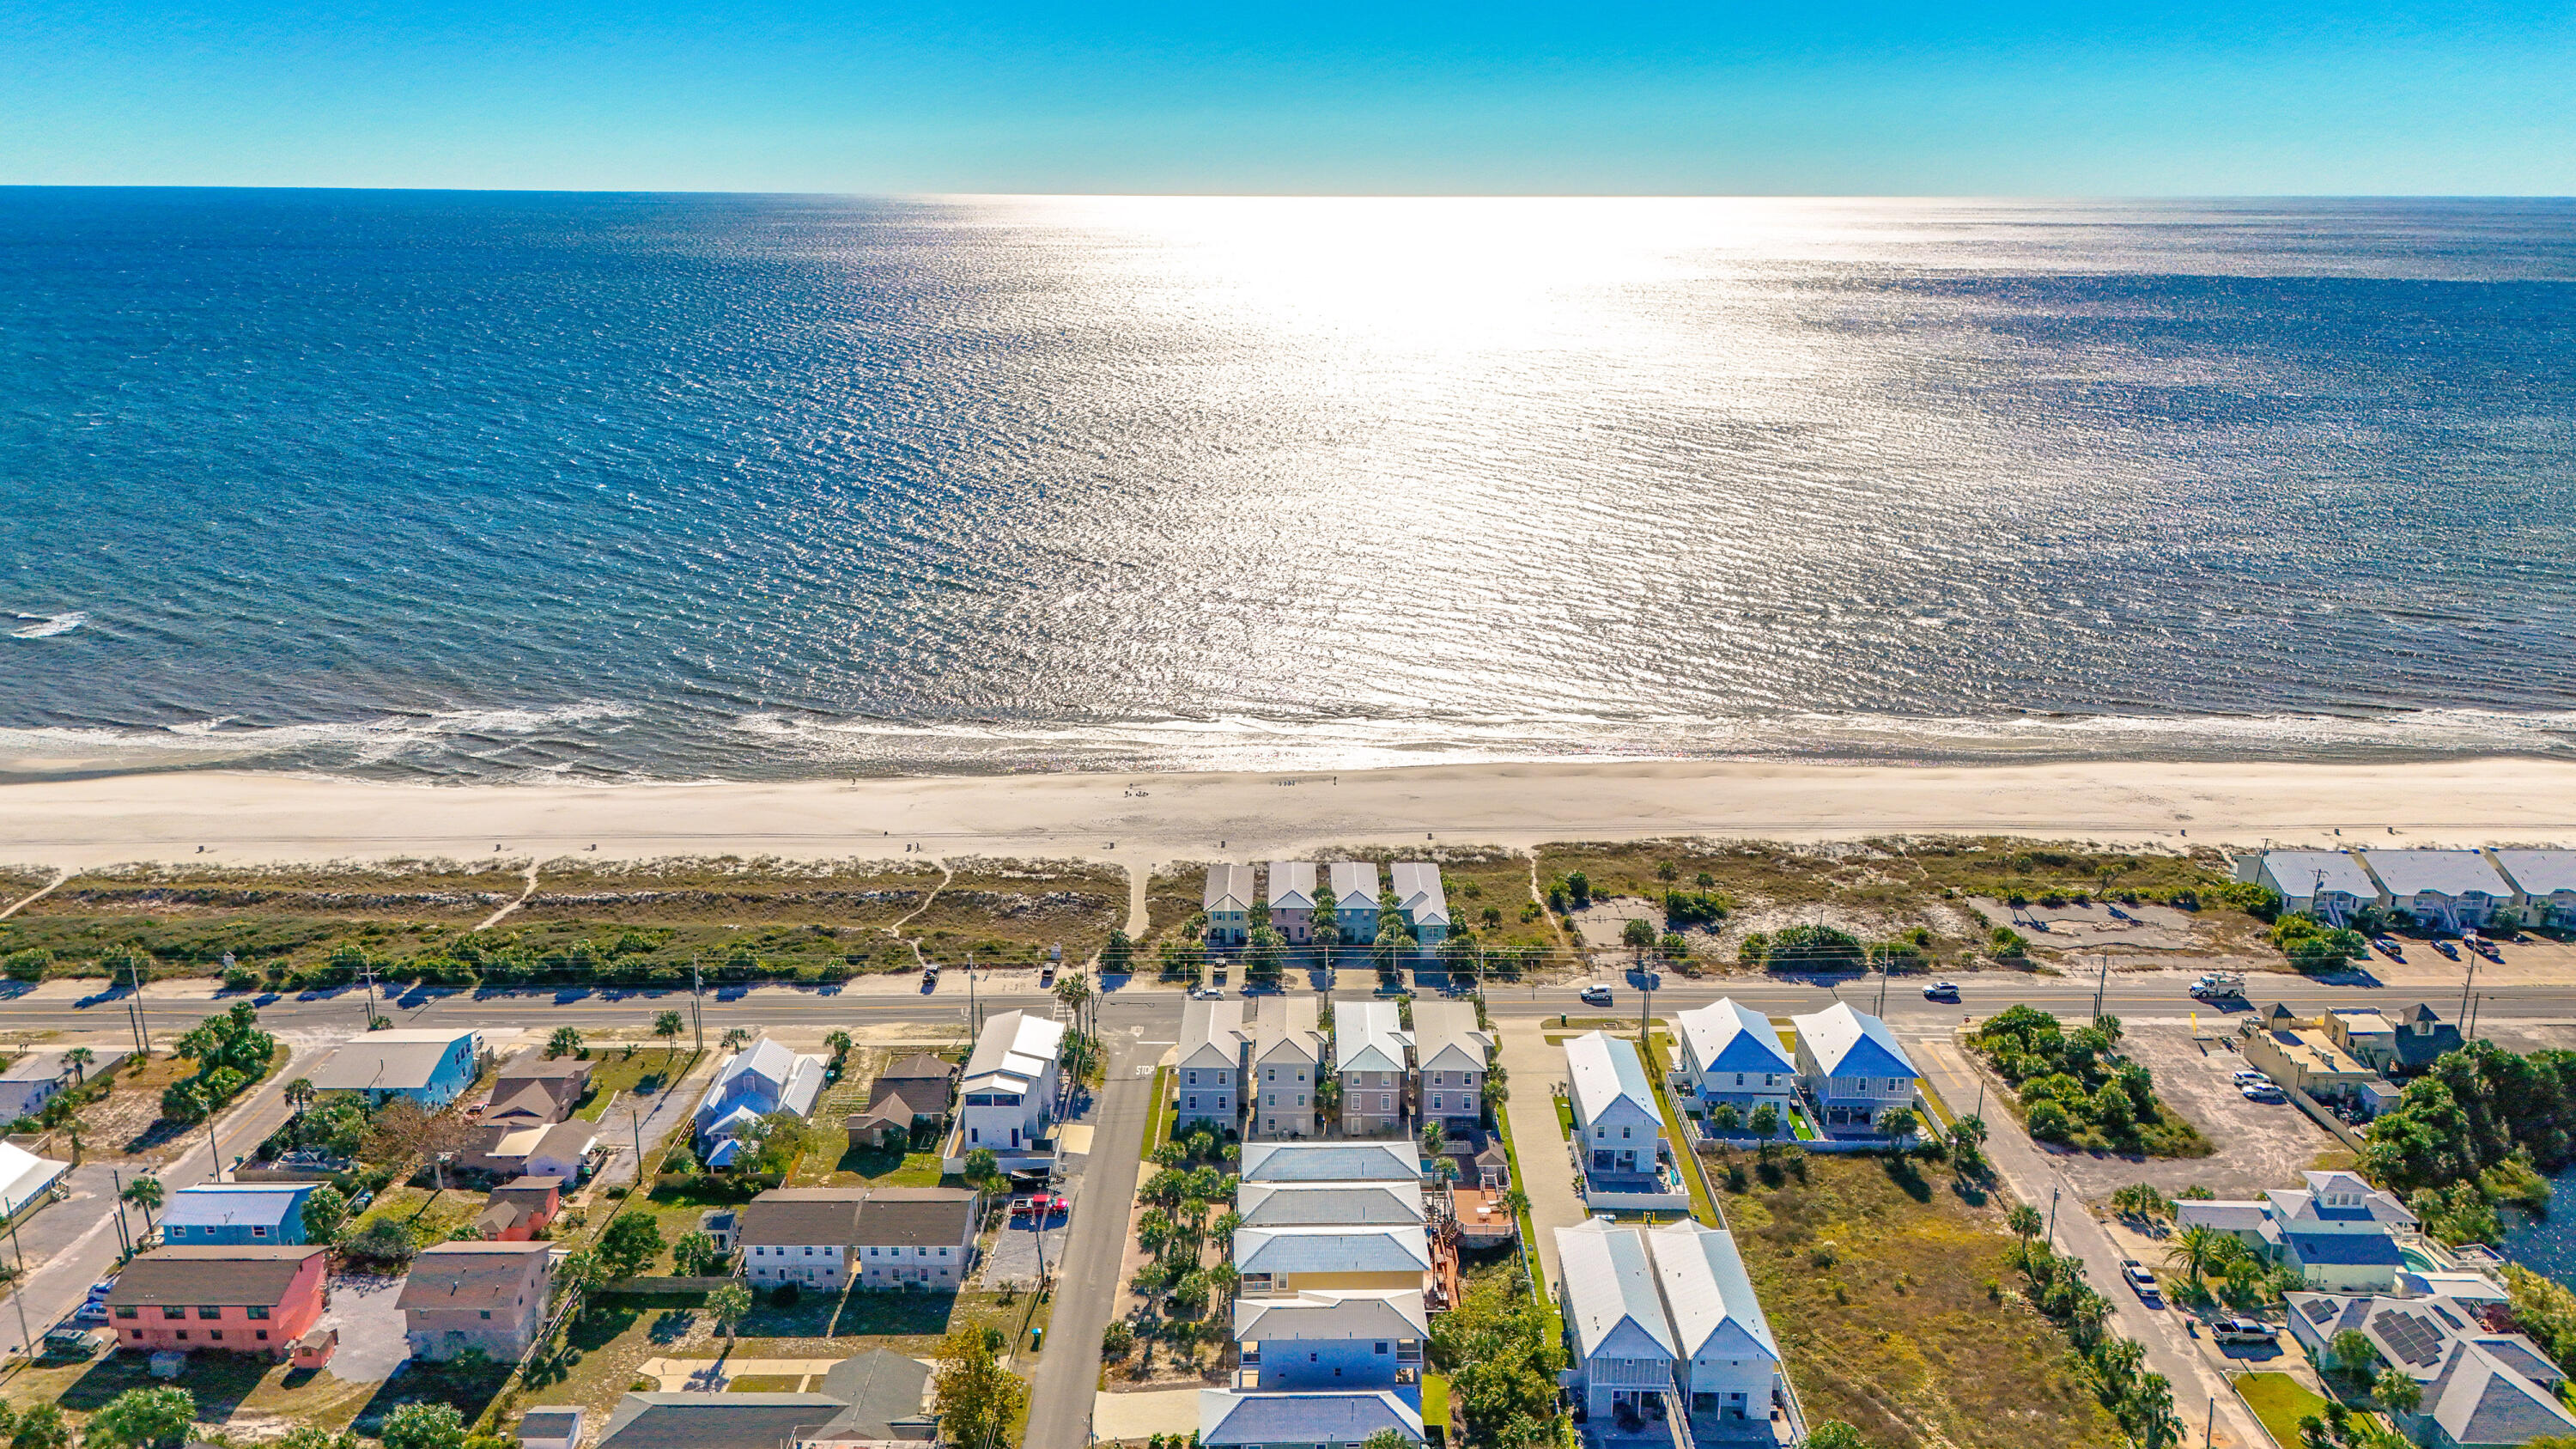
[[1603, 1072], [1714, 1309], [1229, 888], [1368, 1036], [1446, 1037], [1212, 1034], [1354, 885], [2298, 872], [1292, 885], [23, 1175], [1016, 1046], [2443, 872], [1331, 1162], [400, 1060], [1610, 1296], [1727, 1036], [2539, 872], [1417, 891]]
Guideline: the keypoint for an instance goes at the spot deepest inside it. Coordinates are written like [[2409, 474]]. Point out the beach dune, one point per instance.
[[245, 817]]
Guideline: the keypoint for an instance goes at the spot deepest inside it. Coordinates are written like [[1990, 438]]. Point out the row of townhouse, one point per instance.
[[1844, 1063], [1667, 1314], [1286, 893], [268, 1300], [2446, 889], [1257, 1067], [917, 1239], [1341, 1262]]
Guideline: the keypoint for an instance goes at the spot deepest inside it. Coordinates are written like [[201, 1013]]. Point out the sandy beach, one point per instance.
[[244, 817]]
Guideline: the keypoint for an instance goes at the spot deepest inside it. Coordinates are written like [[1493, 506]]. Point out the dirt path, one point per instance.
[[48, 889], [495, 918]]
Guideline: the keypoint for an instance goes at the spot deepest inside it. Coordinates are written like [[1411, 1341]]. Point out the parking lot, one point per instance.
[[2260, 1144]]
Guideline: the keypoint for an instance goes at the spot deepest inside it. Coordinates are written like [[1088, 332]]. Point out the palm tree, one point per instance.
[[144, 1192], [1154, 1231], [80, 1058], [735, 1039], [300, 1094], [565, 1042], [1224, 1228], [668, 1027], [1515, 1202], [2195, 1248], [838, 1044], [2024, 1221]]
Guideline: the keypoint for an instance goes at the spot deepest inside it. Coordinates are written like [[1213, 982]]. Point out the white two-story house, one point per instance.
[[1727, 1360], [1621, 1346], [1731, 1053], [1007, 1095], [1207, 1085], [1852, 1069], [1617, 1127]]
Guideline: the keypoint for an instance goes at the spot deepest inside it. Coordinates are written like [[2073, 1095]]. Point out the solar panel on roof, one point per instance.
[[2318, 1309], [2414, 1340]]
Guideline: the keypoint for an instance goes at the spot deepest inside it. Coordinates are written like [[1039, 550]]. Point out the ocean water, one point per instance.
[[439, 486]]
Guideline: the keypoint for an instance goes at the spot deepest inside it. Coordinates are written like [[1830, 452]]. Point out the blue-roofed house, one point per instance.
[[1727, 1360], [1731, 1053], [234, 1214], [1319, 1419], [2339, 1232], [754, 1082], [1852, 1069]]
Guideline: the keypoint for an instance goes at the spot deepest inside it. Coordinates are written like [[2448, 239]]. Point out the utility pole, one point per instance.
[[18, 1294], [124, 1235], [214, 1147], [2101, 986], [142, 1032], [2211, 1428], [697, 1018], [2052, 1218], [367, 974], [2470, 976]]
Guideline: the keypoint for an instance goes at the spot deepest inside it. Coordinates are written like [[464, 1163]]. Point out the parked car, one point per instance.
[[1037, 1205], [1596, 996], [2141, 1281], [2249, 1077], [1046, 974], [2387, 946], [1941, 991], [93, 1311], [78, 1342], [2264, 1092], [1207, 993], [2244, 1330], [2447, 949]]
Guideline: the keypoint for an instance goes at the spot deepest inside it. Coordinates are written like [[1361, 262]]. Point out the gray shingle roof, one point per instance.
[[798, 1216], [1226, 1417], [211, 1275]]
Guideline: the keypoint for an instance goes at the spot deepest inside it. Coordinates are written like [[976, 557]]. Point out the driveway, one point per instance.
[[2199, 1377], [372, 1345], [1547, 1172], [670, 1108]]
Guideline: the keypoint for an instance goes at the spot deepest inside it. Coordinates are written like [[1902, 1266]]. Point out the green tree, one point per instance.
[[1386, 1439], [325, 1213], [142, 1419], [729, 1306], [838, 1043], [41, 1426], [2024, 1221], [1725, 1119], [1765, 1121], [1118, 1338], [565, 1042], [2194, 1248], [630, 1245], [983, 1169], [1835, 1434], [668, 1027], [735, 1039], [974, 1398], [424, 1426], [697, 1256], [2398, 1391], [1118, 957], [1638, 934], [144, 1192], [2353, 1354]]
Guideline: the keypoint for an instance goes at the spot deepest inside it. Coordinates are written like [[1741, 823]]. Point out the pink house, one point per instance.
[[230, 1299]]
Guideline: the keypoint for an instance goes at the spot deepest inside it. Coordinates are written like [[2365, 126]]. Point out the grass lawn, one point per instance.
[[765, 1384], [1695, 1173], [1166, 1108], [2280, 1401], [431, 1216], [616, 1072], [1889, 1294], [1435, 1401]]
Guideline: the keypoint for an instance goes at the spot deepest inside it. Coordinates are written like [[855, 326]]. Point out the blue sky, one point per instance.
[[1331, 97]]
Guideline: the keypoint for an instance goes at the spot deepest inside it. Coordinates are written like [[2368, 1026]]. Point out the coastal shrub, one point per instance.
[[1814, 948], [230, 1051], [2007, 944], [2075, 1088], [1639, 933], [29, 965], [2312, 945], [1685, 909], [1755, 950], [2475, 1111]]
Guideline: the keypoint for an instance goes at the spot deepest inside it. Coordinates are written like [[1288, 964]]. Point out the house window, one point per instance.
[[1623, 1134], [208, 1310], [1193, 1078], [129, 1313], [259, 1232], [216, 1336], [487, 1313], [1381, 1348], [258, 1312], [1436, 1101], [181, 1335], [1194, 1102]]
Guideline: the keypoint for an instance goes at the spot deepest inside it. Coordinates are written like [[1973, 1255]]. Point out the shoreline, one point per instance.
[[245, 817]]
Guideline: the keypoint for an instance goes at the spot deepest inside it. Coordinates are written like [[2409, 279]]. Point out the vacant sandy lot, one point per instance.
[[2259, 1145]]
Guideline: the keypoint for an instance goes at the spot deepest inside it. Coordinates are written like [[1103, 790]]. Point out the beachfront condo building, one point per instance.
[[1370, 1059], [1352, 885], [1292, 900], [1286, 1067], [2449, 890], [1228, 903], [2544, 884]]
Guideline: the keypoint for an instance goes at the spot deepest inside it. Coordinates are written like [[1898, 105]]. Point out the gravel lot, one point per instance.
[[2259, 1144]]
